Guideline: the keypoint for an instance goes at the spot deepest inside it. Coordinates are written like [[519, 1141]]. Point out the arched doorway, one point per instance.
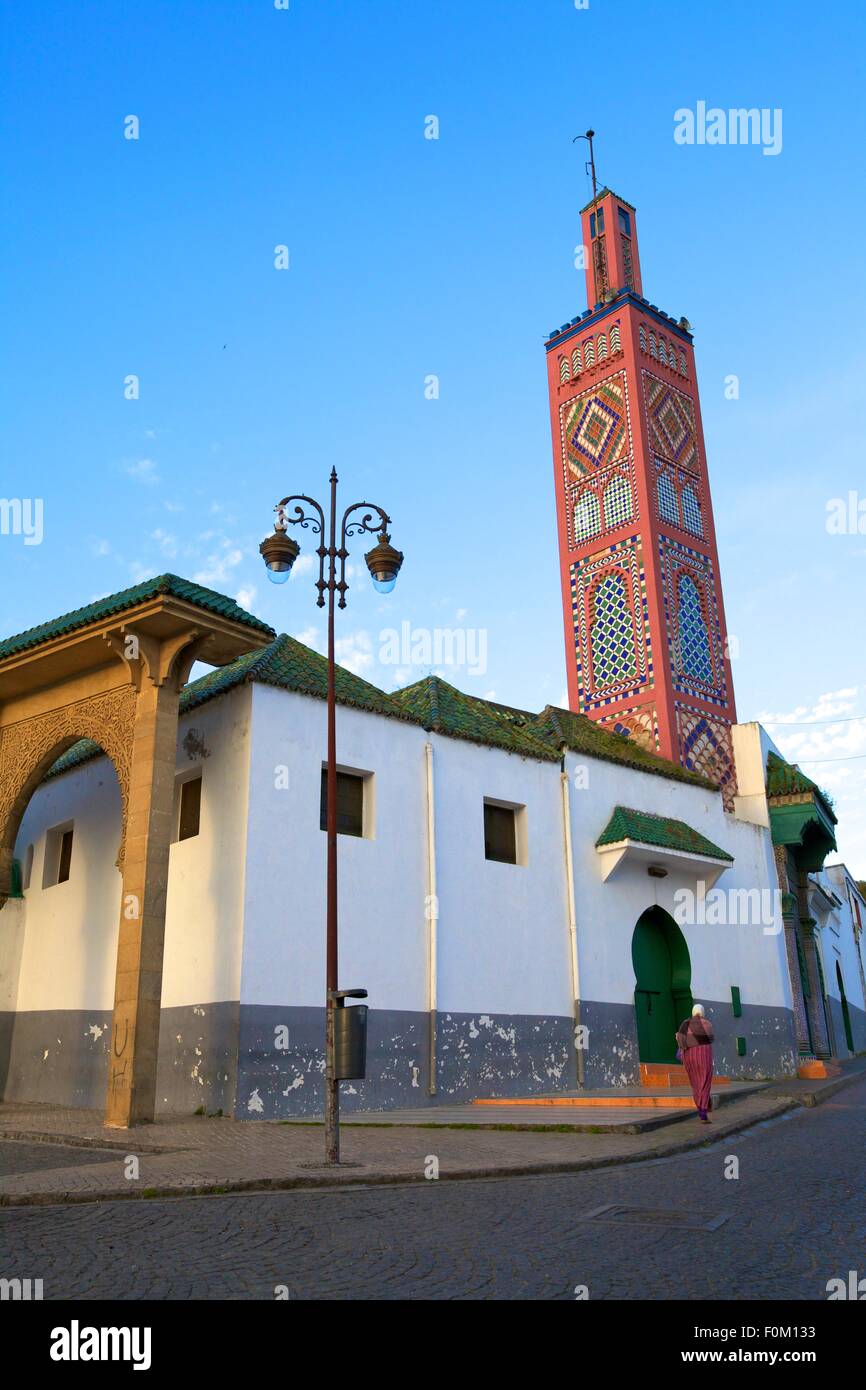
[[663, 976], [846, 1017]]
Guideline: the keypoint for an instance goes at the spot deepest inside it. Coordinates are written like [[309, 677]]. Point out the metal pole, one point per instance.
[[332, 1085], [601, 277]]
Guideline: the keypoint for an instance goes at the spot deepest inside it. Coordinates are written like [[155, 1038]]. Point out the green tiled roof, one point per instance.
[[288, 664], [432, 703], [583, 735], [648, 829], [603, 193], [786, 779], [170, 584], [437, 706]]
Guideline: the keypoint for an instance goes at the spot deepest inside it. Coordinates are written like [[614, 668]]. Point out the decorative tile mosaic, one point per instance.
[[618, 502], [587, 516], [595, 427], [692, 622], [611, 625], [611, 633], [669, 509], [638, 722], [600, 503], [706, 746], [692, 632], [671, 421], [692, 519]]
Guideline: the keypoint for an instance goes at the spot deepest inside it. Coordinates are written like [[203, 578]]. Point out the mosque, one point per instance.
[[532, 900]]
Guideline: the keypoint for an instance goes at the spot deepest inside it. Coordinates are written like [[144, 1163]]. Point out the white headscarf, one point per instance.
[[698, 1011]]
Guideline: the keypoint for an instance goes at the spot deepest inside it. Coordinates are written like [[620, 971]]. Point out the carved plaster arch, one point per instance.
[[30, 747]]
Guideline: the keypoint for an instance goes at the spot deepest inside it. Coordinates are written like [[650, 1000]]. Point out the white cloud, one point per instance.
[[355, 652], [143, 470], [832, 754], [246, 596], [166, 542], [218, 566], [303, 565]]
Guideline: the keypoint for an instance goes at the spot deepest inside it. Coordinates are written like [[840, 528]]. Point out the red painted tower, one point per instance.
[[645, 635]]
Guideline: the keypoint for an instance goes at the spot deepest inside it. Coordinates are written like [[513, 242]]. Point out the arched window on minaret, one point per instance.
[[611, 633], [692, 634], [682, 364], [602, 346], [654, 352], [691, 511], [642, 332], [564, 373], [587, 521], [668, 506], [615, 344], [576, 362], [663, 351], [589, 353]]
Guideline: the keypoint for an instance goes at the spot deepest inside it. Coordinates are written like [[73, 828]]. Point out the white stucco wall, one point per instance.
[[837, 941], [67, 949], [721, 955], [380, 880]]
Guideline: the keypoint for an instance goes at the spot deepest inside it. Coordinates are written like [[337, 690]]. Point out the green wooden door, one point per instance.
[[662, 995]]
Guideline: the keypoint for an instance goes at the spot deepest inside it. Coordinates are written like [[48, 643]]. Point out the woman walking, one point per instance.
[[695, 1043]]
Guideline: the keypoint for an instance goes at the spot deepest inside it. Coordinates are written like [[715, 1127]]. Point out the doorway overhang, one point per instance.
[[642, 840]]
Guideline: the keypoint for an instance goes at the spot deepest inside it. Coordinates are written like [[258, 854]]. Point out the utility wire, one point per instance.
[[807, 723]]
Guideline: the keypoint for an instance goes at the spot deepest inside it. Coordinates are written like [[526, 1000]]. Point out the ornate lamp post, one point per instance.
[[279, 552]]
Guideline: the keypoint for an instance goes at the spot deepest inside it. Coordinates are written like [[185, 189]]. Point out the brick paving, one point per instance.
[[795, 1217], [51, 1154]]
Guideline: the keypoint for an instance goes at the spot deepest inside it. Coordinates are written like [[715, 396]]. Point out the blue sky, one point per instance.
[[411, 257]]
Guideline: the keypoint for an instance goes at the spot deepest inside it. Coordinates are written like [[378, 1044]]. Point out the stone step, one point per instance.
[[661, 1074], [814, 1069]]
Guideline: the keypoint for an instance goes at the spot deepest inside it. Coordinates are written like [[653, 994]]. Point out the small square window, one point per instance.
[[500, 834], [189, 810], [350, 803], [58, 855], [624, 221]]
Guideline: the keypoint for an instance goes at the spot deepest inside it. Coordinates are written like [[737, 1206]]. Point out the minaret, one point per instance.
[[645, 635]]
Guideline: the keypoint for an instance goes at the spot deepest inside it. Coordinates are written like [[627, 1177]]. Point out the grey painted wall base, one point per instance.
[[60, 1057], [477, 1055], [771, 1041], [228, 1057]]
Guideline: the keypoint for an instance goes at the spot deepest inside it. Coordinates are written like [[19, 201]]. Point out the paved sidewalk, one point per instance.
[[51, 1154]]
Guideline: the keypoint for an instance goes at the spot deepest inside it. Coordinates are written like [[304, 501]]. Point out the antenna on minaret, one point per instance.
[[601, 279]]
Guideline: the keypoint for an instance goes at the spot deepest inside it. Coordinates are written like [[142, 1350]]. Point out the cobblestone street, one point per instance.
[[796, 1217]]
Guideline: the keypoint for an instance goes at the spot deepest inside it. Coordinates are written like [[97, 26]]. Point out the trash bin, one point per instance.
[[350, 1040]]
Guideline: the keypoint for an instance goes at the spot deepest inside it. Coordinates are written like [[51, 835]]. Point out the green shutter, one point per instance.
[[736, 1005]]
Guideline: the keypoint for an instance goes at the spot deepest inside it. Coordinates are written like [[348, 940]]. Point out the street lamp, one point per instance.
[[279, 552]]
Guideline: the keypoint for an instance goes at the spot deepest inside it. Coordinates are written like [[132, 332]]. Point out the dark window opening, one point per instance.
[[190, 809], [500, 834], [625, 221], [350, 803], [596, 224], [65, 857]]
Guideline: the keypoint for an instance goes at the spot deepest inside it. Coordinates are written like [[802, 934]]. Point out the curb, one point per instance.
[[357, 1178], [809, 1099]]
